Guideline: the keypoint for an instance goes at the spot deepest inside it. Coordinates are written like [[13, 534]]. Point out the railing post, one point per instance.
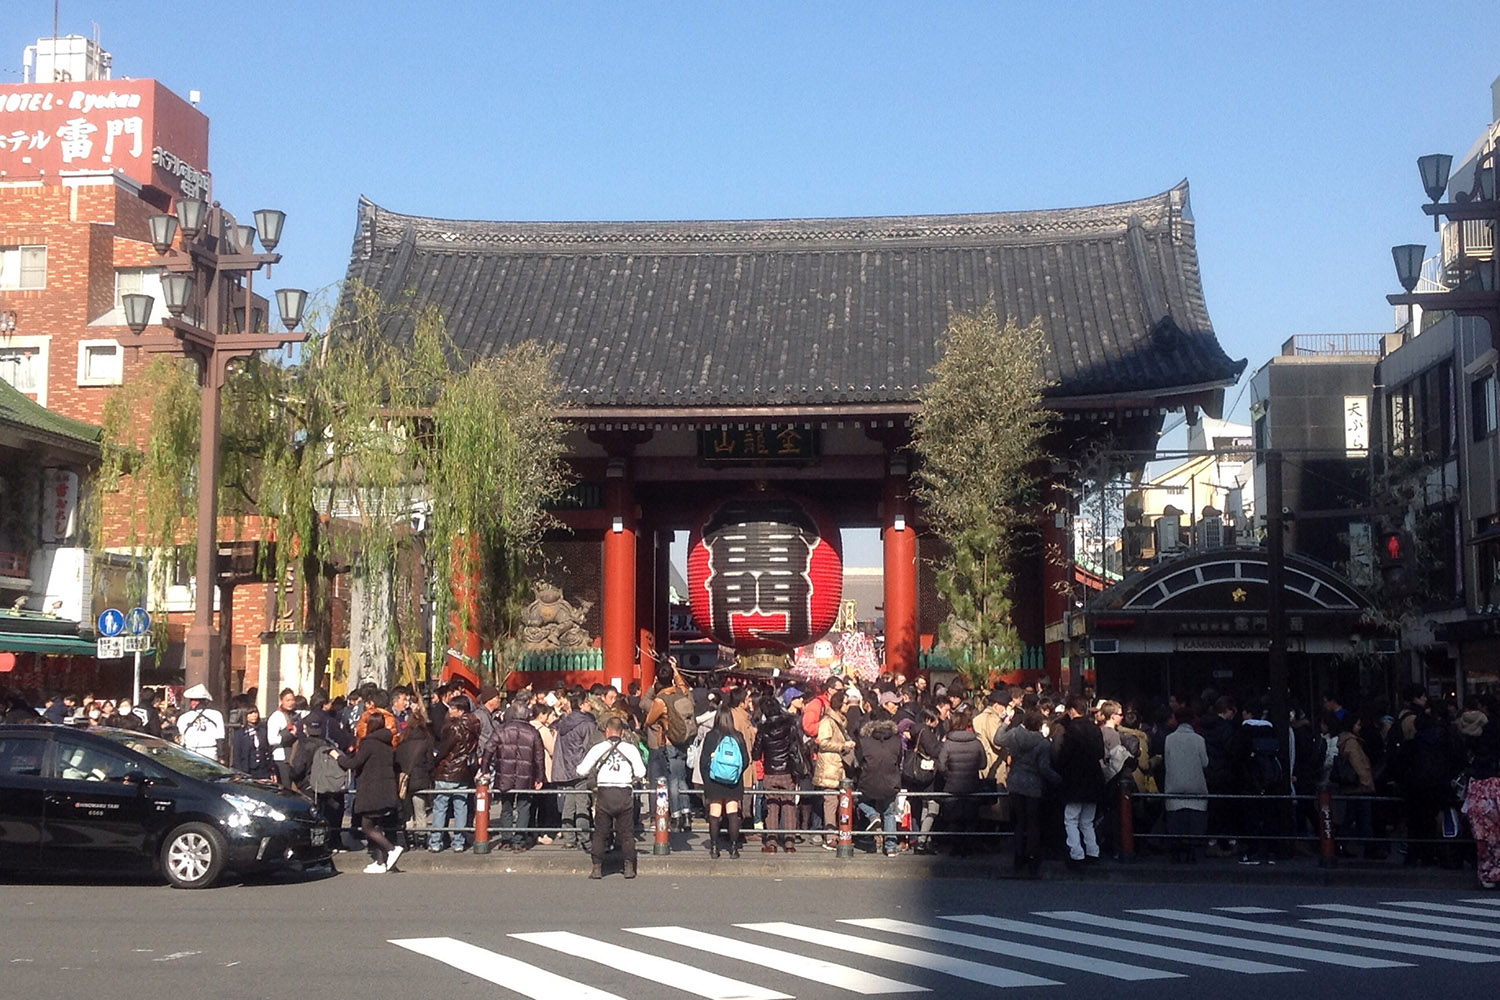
[[663, 813], [846, 819], [1328, 855], [482, 817], [1127, 822]]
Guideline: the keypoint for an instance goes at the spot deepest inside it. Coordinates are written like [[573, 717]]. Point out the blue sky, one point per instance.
[[1298, 124]]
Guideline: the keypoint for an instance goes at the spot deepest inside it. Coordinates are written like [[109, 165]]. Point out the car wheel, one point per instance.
[[193, 856]]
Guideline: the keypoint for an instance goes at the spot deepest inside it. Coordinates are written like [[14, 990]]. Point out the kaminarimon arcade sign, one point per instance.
[[137, 127], [765, 573]]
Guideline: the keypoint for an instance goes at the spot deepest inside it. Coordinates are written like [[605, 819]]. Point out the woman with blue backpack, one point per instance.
[[722, 763]]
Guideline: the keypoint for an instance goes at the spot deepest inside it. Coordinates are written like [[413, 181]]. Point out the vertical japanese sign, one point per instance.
[[137, 127], [1356, 426], [59, 505]]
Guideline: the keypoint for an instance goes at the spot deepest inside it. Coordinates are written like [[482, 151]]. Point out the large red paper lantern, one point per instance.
[[765, 573]]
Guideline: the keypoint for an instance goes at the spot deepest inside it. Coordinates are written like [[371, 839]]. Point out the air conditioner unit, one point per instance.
[[1386, 646], [1102, 646]]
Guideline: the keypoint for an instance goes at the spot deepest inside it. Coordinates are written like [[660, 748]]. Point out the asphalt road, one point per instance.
[[555, 936]]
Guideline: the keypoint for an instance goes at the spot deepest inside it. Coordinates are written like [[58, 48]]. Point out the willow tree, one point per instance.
[[338, 457], [978, 437]]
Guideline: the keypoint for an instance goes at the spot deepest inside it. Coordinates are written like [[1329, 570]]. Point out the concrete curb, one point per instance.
[[813, 862]]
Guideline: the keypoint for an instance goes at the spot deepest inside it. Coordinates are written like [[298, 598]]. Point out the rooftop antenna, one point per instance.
[[56, 5]]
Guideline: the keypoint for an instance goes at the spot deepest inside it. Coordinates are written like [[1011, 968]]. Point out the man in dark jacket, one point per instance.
[[1080, 754], [520, 768], [575, 731], [1218, 730], [878, 751], [456, 754]]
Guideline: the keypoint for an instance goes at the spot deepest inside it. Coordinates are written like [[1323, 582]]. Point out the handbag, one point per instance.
[[918, 768], [1344, 772]]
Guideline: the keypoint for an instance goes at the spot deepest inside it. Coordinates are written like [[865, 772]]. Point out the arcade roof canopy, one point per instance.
[[694, 316]]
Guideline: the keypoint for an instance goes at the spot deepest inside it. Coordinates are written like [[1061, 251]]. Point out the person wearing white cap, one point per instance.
[[202, 725]]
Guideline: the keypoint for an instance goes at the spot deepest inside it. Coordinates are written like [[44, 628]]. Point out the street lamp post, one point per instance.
[[208, 290], [1477, 292]]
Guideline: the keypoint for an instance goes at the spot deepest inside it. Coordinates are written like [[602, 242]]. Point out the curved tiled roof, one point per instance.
[[809, 311]]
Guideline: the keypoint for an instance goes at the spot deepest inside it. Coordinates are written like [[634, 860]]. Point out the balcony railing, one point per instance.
[[1335, 344]]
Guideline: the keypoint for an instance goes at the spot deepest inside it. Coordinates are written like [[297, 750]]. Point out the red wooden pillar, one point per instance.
[[464, 642], [899, 540], [1057, 569], [647, 555], [619, 575]]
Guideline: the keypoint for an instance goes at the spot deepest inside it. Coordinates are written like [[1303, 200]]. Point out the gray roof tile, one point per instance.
[[807, 311]]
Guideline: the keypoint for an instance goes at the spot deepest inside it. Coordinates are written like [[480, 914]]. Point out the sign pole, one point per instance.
[[135, 686]]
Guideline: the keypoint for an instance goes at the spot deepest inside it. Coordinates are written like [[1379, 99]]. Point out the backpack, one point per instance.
[[682, 719], [1264, 757], [728, 764]]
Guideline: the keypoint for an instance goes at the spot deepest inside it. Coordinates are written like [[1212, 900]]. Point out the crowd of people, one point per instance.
[[766, 759]]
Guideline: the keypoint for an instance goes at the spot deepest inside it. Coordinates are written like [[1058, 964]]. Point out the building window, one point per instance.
[[21, 367], [130, 281], [23, 267], [100, 362], [1482, 407]]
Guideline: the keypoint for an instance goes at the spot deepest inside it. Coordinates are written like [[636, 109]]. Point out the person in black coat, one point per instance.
[[375, 793], [722, 798], [778, 746], [415, 760], [878, 752], [1080, 754], [959, 762], [249, 750]]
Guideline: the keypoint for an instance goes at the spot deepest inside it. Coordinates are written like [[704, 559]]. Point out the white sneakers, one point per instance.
[[376, 868]]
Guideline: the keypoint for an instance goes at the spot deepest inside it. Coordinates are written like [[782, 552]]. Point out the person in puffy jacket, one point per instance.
[[1030, 773], [457, 762], [835, 750], [878, 753], [960, 761], [778, 747], [520, 767]]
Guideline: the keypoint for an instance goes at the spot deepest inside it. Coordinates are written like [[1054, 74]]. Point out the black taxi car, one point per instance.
[[114, 801]]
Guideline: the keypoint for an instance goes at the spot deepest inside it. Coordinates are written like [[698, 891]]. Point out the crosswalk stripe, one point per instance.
[[961, 968], [1411, 918], [1424, 933], [1247, 910], [1225, 940], [502, 970], [661, 970], [1482, 901], [1185, 956], [1462, 911], [1306, 934], [1063, 959], [816, 969]]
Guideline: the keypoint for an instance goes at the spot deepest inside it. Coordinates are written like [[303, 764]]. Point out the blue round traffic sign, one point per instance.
[[111, 622], [138, 622]]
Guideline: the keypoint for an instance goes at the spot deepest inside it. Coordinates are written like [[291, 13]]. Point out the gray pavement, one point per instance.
[[677, 934]]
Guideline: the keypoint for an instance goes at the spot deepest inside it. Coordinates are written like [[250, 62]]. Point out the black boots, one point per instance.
[[630, 868], [598, 871]]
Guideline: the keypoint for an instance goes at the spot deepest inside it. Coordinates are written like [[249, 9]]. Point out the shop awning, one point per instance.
[[56, 645]]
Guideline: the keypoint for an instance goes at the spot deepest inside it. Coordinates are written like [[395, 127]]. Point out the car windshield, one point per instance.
[[170, 755]]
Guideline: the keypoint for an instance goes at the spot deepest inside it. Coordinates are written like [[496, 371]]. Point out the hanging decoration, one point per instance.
[[765, 573]]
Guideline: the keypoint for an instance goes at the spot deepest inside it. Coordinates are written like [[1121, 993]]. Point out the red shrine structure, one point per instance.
[[706, 361]]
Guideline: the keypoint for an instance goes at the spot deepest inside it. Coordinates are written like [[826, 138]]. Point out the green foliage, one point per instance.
[[331, 458], [979, 439]]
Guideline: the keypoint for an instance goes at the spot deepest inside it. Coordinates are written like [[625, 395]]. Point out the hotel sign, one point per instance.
[[137, 127]]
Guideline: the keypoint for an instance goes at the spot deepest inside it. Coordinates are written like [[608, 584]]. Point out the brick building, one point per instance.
[[83, 165]]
